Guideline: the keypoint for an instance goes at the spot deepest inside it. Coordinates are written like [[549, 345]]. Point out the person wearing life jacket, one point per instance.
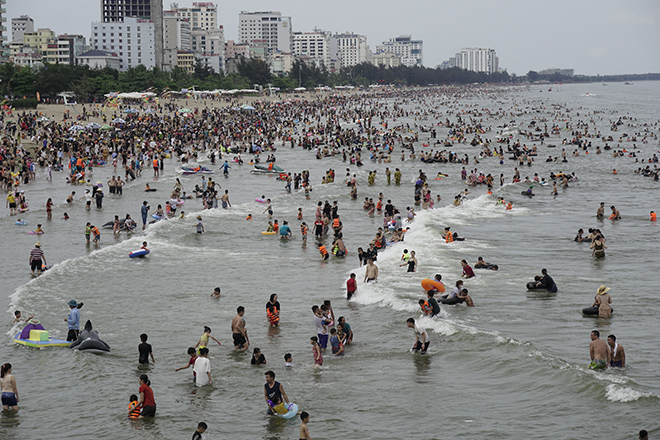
[[133, 407], [509, 206], [276, 226], [249, 217], [273, 315], [653, 216], [270, 166], [425, 306], [324, 252], [337, 225], [96, 232], [155, 166], [449, 237]]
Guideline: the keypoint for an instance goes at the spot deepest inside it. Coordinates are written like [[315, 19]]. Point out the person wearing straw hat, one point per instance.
[[603, 301], [37, 258]]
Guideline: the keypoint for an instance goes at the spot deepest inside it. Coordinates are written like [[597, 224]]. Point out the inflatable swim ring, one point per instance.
[[151, 190], [35, 233], [428, 284], [21, 223], [156, 216], [592, 311], [268, 233], [449, 301], [291, 408], [140, 253], [525, 193], [260, 200]]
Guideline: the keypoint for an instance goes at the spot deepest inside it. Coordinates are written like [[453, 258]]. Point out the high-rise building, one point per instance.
[[269, 26], [176, 37], [20, 25], [315, 47], [133, 40], [352, 49], [4, 50], [200, 16], [408, 49], [115, 11], [65, 49], [477, 60], [209, 47], [39, 39]]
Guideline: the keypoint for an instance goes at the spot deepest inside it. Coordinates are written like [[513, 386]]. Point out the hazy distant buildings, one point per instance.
[[557, 71], [117, 11], [133, 40], [176, 37], [4, 51], [19, 26], [268, 27], [65, 49], [386, 59], [477, 60], [100, 59], [409, 50], [352, 49]]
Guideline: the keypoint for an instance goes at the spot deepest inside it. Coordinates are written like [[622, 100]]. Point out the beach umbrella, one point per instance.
[[185, 110], [247, 107], [106, 127], [76, 128], [299, 89], [118, 121], [43, 119], [92, 126], [131, 110], [149, 110]]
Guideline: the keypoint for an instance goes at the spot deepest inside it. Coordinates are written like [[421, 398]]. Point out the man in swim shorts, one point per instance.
[[422, 340], [599, 351], [239, 333], [618, 357], [371, 272]]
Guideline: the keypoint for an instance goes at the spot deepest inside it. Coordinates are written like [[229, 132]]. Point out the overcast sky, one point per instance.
[[590, 36]]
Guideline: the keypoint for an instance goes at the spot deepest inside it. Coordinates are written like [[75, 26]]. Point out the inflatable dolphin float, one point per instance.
[[89, 340]]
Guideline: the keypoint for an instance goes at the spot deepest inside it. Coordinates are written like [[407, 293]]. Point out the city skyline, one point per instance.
[[592, 37]]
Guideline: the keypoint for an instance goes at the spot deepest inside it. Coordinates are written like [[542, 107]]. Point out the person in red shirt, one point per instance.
[[351, 287], [193, 357], [146, 402], [467, 270]]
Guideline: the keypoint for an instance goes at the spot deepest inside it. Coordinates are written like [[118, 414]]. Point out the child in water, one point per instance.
[[204, 339], [133, 408], [316, 349]]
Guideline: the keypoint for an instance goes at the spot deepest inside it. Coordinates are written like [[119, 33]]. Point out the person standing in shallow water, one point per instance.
[[603, 301], [9, 389]]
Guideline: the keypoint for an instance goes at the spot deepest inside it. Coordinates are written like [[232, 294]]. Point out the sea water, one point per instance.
[[515, 366]]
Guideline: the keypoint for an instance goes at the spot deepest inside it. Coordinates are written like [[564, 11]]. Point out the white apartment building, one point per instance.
[[209, 47], [386, 59], [176, 37], [352, 49], [133, 40], [316, 47], [20, 25], [477, 60], [408, 49], [269, 26], [200, 16]]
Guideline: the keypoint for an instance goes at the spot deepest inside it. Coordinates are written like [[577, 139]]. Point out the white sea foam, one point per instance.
[[617, 393]]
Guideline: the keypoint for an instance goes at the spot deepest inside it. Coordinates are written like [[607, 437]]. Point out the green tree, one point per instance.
[[256, 71]]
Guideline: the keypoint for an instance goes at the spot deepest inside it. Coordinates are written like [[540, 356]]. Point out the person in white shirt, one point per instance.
[[202, 368], [422, 340]]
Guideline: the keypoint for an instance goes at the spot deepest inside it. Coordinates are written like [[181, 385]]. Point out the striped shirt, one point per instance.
[[36, 254]]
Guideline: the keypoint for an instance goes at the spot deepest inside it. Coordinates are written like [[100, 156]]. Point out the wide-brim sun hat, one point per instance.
[[602, 290], [38, 244], [73, 303]]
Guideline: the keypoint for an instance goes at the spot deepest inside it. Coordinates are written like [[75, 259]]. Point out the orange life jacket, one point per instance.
[[133, 410], [270, 166], [653, 217], [449, 238], [379, 206], [426, 308], [335, 223], [273, 317], [155, 162], [509, 206], [323, 250], [96, 231], [304, 229]]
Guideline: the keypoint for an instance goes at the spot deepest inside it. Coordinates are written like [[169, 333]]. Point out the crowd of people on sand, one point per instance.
[[341, 126]]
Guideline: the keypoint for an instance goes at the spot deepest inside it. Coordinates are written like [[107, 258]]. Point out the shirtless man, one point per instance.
[[239, 333], [618, 358], [371, 273], [600, 212], [599, 351]]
